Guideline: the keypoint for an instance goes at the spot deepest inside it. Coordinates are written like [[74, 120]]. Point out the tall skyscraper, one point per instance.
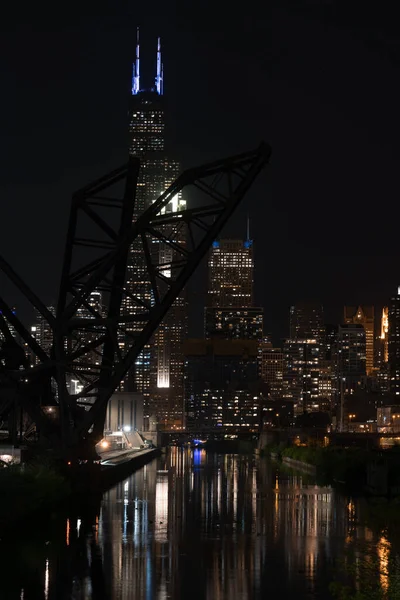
[[271, 365], [230, 312], [328, 373], [382, 352], [158, 371], [351, 355], [394, 344], [365, 316], [303, 353], [231, 274], [42, 333], [222, 384], [301, 377], [384, 335]]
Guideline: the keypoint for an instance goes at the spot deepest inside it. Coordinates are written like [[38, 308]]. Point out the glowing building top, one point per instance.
[[136, 68], [159, 79]]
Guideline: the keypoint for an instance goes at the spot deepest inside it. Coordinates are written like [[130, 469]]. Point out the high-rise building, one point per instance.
[[351, 355], [230, 312], [328, 371], [365, 316], [158, 370], [271, 363], [303, 354], [382, 352], [307, 322], [42, 333], [301, 377], [234, 322], [231, 274], [383, 355], [394, 344], [222, 384], [330, 343]]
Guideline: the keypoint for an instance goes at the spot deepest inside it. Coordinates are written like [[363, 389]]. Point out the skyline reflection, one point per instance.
[[210, 526]]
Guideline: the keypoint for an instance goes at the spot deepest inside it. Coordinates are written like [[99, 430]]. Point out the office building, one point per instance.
[[351, 355], [330, 342], [234, 322], [307, 322], [230, 312], [328, 378], [394, 344], [158, 370], [301, 375], [231, 274], [42, 334], [222, 384], [271, 364], [365, 316], [382, 340]]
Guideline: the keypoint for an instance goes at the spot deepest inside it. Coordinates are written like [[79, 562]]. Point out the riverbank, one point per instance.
[[24, 491], [299, 465], [41, 489], [360, 471]]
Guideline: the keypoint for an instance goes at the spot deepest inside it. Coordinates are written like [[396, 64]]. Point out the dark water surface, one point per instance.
[[191, 525]]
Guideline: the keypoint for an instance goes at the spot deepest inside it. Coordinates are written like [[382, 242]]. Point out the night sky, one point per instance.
[[318, 80]]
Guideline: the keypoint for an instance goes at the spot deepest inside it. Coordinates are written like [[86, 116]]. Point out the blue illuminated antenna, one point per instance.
[[136, 68], [160, 70], [248, 242]]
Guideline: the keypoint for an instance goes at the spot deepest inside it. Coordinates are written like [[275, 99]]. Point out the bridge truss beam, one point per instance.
[[97, 345]]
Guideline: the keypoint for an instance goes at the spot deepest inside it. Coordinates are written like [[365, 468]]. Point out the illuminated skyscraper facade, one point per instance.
[[271, 365], [222, 376], [42, 333], [222, 388], [328, 372], [158, 371], [365, 316], [231, 274], [230, 312], [383, 353], [302, 373], [394, 344], [304, 350]]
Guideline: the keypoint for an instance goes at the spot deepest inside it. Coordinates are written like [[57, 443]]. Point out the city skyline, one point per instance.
[[200, 300], [381, 320], [93, 98]]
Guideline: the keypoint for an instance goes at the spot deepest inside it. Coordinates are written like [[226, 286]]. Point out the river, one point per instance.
[[191, 525]]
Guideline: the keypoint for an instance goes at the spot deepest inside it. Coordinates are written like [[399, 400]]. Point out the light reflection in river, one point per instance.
[[206, 526], [383, 550]]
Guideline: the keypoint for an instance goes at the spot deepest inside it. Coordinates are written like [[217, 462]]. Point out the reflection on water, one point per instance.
[[197, 525], [383, 550]]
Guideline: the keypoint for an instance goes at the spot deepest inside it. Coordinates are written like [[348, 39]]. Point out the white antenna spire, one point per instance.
[[136, 68], [160, 70]]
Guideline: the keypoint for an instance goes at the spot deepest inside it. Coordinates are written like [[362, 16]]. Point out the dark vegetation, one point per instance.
[[25, 491]]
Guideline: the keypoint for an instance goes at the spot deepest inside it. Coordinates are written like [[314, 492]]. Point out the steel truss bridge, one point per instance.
[[100, 237]]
